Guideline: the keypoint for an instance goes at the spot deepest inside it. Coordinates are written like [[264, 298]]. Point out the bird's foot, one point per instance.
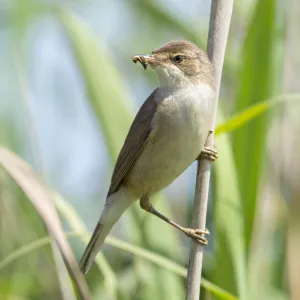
[[197, 234], [209, 153]]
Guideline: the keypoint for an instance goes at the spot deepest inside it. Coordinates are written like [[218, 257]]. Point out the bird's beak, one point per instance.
[[145, 60]]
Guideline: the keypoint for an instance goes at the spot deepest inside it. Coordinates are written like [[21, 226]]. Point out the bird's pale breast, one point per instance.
[[180, 128]]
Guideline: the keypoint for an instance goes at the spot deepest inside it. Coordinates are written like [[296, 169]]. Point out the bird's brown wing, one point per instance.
[[134, 142]]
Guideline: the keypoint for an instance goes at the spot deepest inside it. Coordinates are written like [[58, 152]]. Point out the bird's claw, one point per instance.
[[209, 153], [197, 234]]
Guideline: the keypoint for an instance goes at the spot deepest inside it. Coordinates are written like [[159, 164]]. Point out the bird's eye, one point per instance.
[[178, 59]]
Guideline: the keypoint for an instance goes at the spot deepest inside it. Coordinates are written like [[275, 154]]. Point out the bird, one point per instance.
[[167, 135]]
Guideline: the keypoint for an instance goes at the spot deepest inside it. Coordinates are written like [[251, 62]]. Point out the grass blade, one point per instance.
[[106, 93], [255, 83], [40, 198], [157, 259], [76, 224], [228, 214], [253, 112]]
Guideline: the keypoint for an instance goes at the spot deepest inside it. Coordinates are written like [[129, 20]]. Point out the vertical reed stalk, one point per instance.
[[220, 17]]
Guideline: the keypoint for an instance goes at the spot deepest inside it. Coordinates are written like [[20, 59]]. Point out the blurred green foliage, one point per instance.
[[254, 87], [97, 40]]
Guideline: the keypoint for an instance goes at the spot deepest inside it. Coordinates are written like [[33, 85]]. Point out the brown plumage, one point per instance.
[[134, 143]]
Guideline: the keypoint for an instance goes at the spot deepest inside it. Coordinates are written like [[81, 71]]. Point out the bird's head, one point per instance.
[[178, 63]]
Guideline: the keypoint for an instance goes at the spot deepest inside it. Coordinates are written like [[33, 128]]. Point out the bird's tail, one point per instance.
[[115, 205]]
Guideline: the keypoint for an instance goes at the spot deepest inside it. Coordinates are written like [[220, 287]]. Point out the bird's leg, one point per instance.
[[209, 153], [196, 234]]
